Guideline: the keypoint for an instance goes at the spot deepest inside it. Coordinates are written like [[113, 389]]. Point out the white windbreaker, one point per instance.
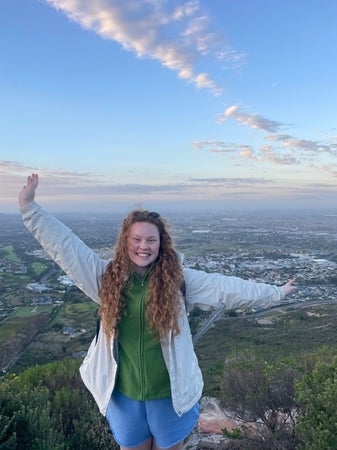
[[205, 290]]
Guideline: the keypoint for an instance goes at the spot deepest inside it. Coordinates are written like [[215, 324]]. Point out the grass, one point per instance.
[[74, 309], [291, 334], [8, 252], [30, 311], [38, 268], [11, 326]]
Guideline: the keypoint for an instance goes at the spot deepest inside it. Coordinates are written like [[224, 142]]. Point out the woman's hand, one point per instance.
[[27, 193], [289, 287]]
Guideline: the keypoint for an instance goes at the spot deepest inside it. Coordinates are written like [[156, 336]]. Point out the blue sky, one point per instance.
[[226, 104]]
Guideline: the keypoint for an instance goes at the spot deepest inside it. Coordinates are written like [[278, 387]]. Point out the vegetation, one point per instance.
[[9, 252], [286, 405], [282, 334], [263, 396], [317, 395], [48, 408], [261, 369], [34, 334]]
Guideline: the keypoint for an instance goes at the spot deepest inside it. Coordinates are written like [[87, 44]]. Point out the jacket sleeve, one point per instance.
[[207, 290], [77, 260]]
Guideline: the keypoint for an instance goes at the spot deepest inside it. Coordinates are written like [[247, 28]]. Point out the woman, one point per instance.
[[141, 367]]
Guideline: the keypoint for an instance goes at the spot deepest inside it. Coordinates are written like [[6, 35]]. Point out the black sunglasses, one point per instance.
[[143, 214], [154, 215]]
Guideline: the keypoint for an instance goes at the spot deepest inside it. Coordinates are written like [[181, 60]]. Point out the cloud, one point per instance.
[[233, 182], [14, 167], [176, 36], [264, 153], [274, 148], [14, 176], [71, 191], [303, 144], [268, 153], [215, 146], [328, 169], [79, 186], [278, 148], [65, 182], [251, 120]]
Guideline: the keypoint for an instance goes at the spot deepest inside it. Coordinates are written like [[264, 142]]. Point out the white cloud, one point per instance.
[[177, 37], [303, 144], [72, 191], [262, 154], [280, 149], [215, 146], [251, 120], [232, 181], [269, 154]]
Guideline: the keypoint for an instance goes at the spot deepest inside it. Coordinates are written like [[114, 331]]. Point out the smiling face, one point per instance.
[[143, 245]]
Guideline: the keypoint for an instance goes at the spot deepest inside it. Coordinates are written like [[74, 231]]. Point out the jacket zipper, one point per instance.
[[141, 341]]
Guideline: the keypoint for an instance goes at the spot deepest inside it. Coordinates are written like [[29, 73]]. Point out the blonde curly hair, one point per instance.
[[165, 280]]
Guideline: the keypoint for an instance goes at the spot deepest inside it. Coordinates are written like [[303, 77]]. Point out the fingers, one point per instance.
[[289, 286], [27, 194], [291, 282], [33, 180]]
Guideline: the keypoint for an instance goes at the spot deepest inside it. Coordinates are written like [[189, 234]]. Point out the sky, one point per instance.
[[168, 104]]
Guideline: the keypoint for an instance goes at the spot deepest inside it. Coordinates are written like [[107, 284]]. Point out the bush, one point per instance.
[[317, 395], [264, 394], [48, 408]]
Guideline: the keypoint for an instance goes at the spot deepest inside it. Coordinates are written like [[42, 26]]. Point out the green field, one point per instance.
[[38, 268], [30, 311], [8, 252], [11, 326]]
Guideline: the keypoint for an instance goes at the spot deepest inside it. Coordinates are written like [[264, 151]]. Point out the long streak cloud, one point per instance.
[[176, 36]]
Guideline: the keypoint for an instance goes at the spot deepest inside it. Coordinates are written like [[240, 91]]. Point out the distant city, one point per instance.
[[41, 309], [261, 247]]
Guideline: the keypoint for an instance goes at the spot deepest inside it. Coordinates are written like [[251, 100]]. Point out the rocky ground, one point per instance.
[[208, 433]]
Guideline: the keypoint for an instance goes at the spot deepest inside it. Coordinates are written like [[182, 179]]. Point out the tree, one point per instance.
[[264, 394], [317, 395]]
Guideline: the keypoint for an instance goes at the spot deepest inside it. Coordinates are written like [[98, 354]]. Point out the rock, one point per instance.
[[208, 433], [198, 441]]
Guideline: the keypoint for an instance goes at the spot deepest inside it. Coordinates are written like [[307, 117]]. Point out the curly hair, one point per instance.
[[165, 279]]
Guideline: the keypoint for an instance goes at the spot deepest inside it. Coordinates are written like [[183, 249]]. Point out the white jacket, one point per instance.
[[206, 290]]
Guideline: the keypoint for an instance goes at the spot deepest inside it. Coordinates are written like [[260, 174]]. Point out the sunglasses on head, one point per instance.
[[154, 215], [151, 214]]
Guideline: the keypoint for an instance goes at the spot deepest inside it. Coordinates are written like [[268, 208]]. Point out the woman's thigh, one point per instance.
[[178, 446]]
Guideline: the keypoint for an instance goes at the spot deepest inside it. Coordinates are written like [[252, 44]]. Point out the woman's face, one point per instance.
[[143, 245]]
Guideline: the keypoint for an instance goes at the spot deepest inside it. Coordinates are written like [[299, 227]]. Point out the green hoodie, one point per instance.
[[142, 373]]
